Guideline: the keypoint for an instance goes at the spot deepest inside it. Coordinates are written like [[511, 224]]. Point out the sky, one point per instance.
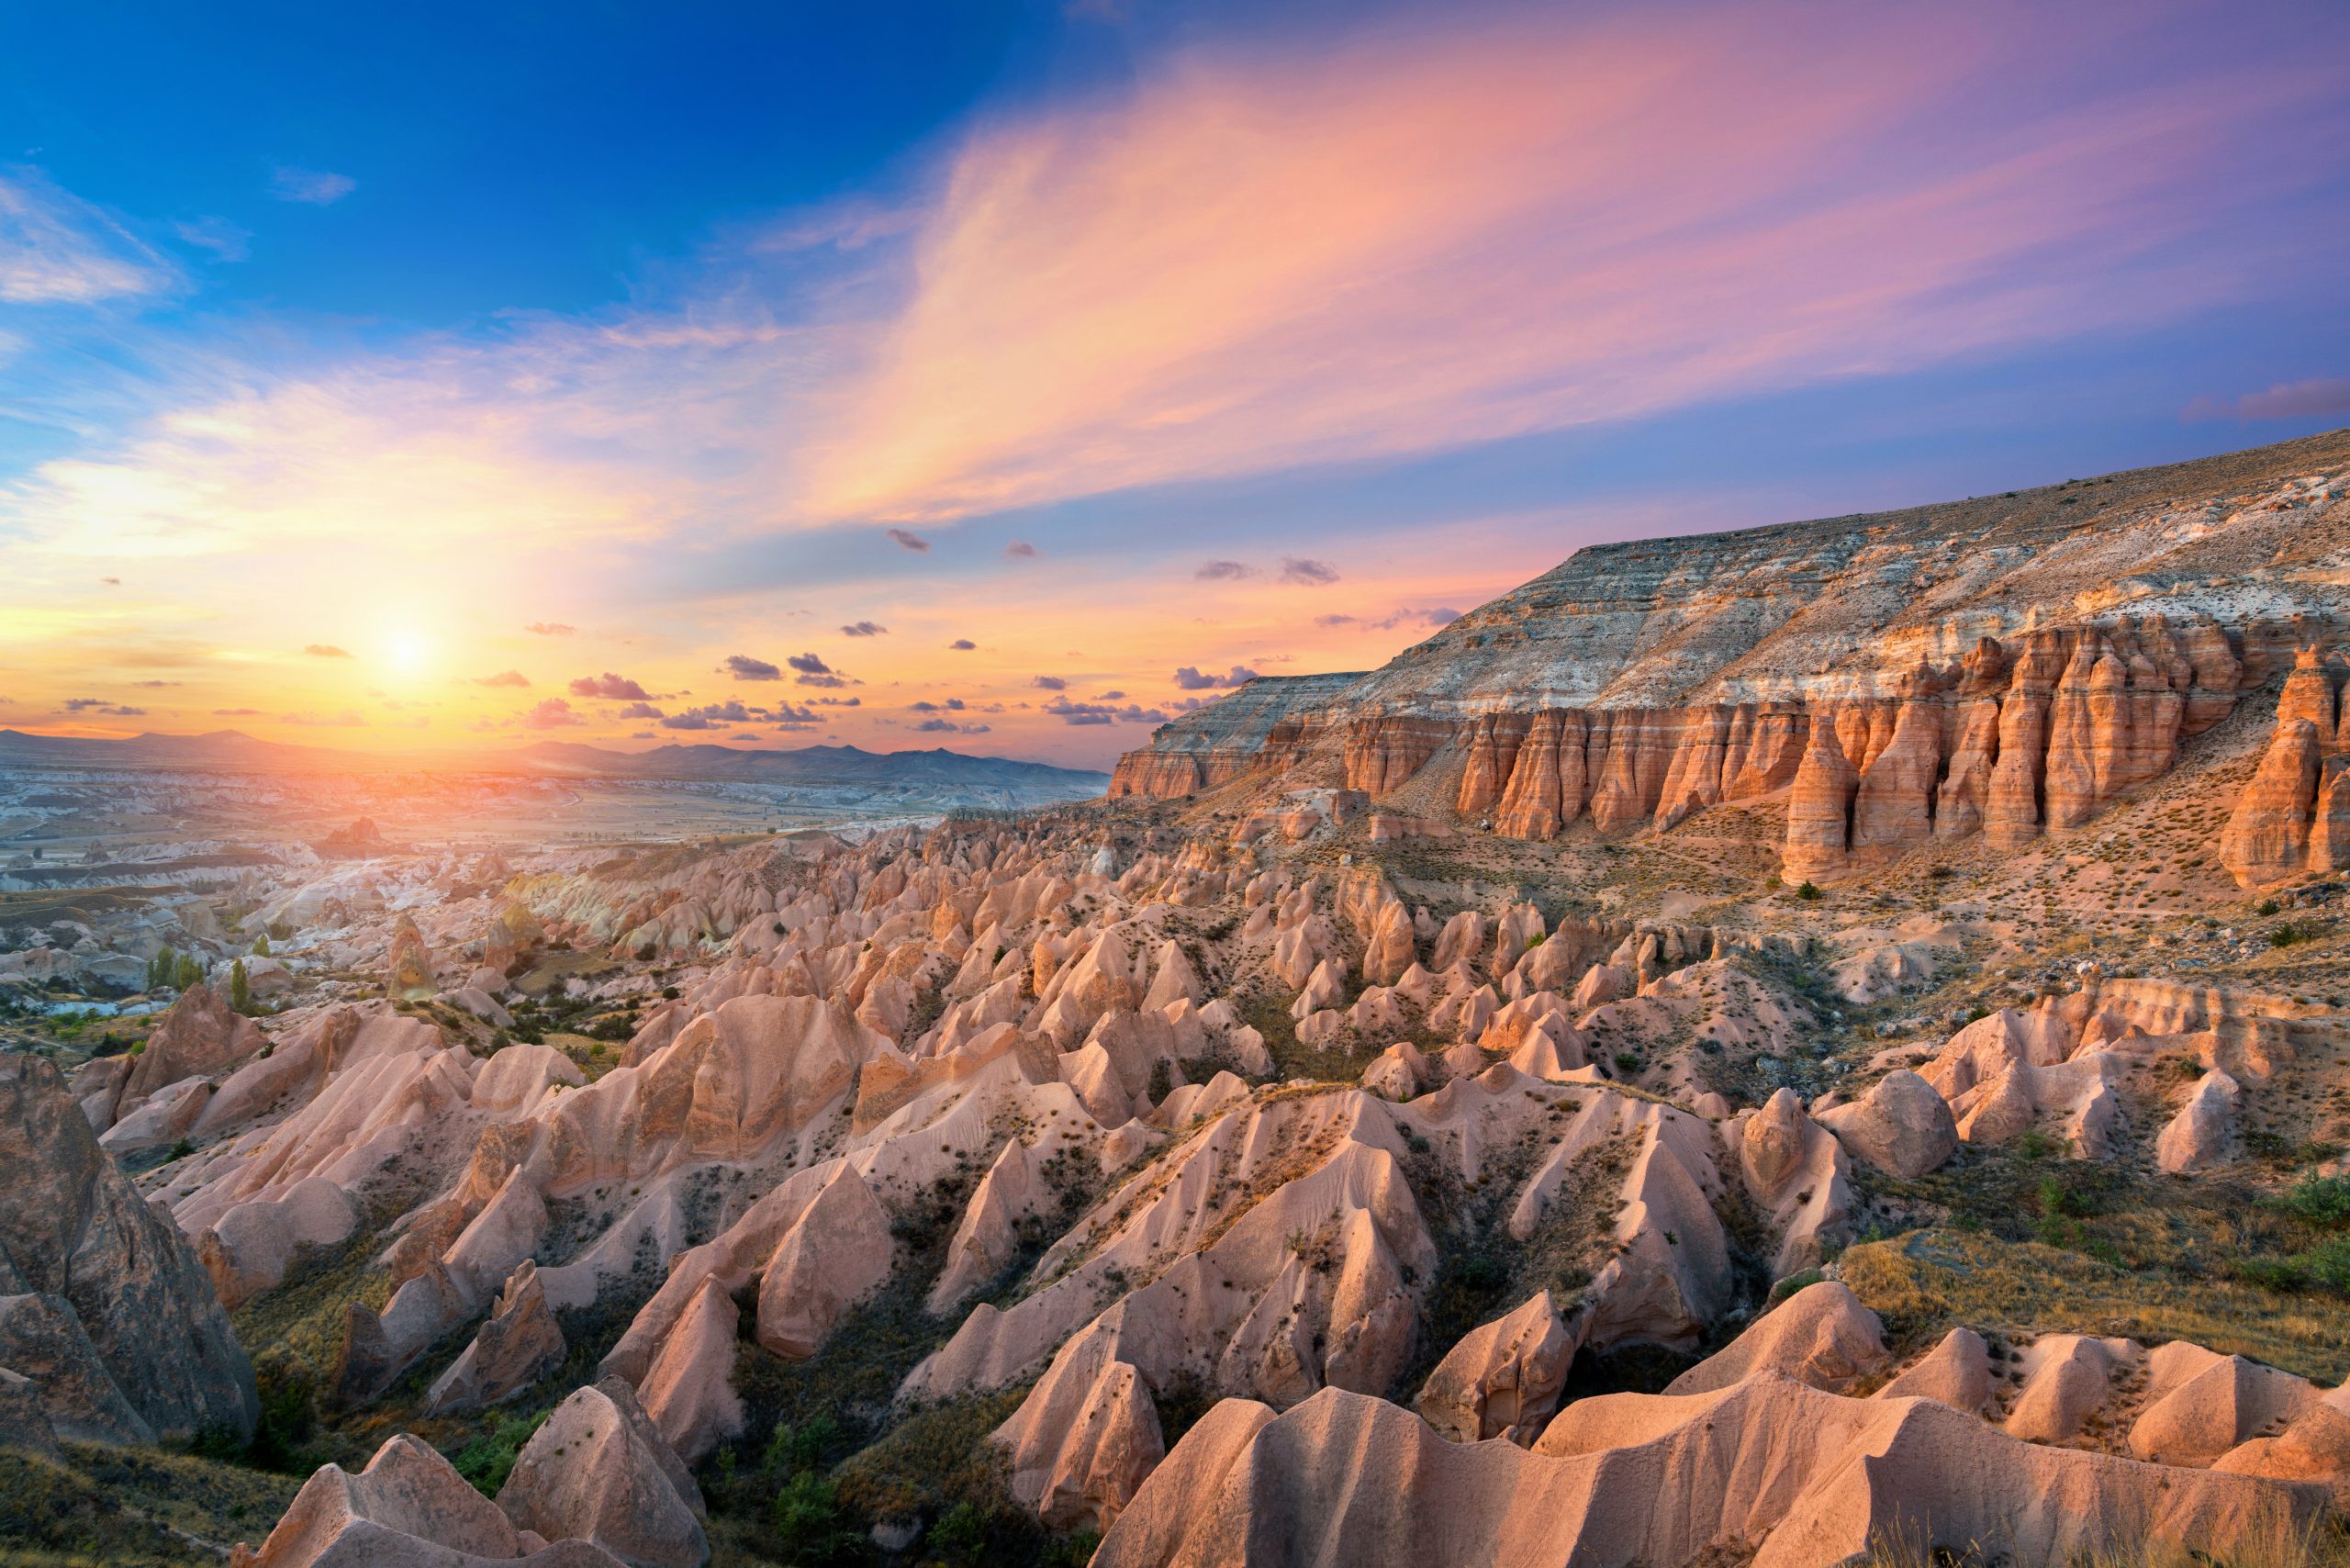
[[1014, 378]]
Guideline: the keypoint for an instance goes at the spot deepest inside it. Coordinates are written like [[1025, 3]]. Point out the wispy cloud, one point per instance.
[[318, 188], [1448, 242], [58, 250], [2316, 400], [226, 240]]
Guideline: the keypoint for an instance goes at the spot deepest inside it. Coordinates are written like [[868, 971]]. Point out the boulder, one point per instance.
[[1900, 1126], [2315, 1446], [2067, 1379], [249, 1249], [599, 1471], [200, 1035], [987, 1239], [2203, 1404]]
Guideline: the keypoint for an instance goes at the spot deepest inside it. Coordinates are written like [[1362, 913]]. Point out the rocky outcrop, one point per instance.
[[1901, 1126], [520, 1343], [1502, 1380], [200, 1035], [2293, 816], [409, 1508], [599, 1471], [1799, 1475], [101, 1286], [1821, 1335], [1215, 745], [2203, 1133]]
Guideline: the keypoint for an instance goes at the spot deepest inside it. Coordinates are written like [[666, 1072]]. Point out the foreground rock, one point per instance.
[[409, 1508], [103, 1304]]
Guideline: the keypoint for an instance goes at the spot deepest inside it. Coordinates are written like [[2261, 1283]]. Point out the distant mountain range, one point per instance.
[[806, 764], [814, 767]]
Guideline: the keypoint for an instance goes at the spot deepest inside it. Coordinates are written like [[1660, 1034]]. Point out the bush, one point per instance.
[[1795, 1283], [808, 1525], [1808, 891], [490, 1458], [2319, 1200]]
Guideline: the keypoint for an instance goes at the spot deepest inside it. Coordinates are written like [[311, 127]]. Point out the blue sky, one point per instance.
[[705, 331]]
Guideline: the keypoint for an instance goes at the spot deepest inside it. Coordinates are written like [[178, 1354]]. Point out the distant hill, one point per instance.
[[230, 749], [947, 774], [806, 764]]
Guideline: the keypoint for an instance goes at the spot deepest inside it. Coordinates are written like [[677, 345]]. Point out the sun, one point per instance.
[[406, 652]]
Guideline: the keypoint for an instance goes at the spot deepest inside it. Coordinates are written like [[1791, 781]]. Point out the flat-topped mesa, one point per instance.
[[2010, 666]]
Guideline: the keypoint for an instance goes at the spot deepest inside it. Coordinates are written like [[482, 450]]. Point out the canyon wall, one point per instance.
[[2009, 666], [2293, 816]]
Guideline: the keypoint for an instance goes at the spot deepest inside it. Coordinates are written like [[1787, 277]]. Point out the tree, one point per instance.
[[188, 973], [241, 993], [261, 946], [161, 968]]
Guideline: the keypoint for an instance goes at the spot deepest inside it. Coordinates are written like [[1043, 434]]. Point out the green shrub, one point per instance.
[[1795, 1283], [2319, 1200], [490, 1458], [1808, 891], [808, 1525]]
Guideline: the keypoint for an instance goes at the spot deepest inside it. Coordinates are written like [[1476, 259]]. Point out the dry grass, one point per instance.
[[1926, 1283], [131, 1507]]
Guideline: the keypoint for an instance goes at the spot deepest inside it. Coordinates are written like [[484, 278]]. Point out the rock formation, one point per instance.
[[103, 1304]]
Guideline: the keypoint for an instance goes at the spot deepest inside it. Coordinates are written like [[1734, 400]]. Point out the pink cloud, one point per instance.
[[2321, 398], [1421, 240]]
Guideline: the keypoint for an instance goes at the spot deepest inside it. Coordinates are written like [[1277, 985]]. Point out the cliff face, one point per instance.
[[1214, 744], [2007, 665], [2294, 816]]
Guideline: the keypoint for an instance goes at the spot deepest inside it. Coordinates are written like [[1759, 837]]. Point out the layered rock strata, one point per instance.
[[2009, 667]]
